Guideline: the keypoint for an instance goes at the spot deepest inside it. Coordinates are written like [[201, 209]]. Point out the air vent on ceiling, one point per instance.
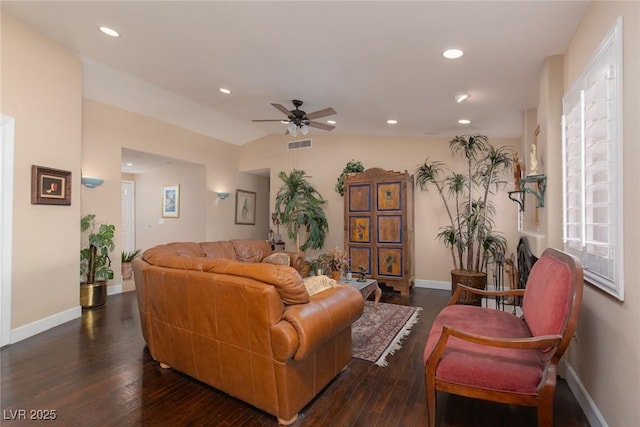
[[296, 145]]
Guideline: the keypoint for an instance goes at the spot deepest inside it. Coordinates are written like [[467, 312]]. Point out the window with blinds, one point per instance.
[[592, 167]]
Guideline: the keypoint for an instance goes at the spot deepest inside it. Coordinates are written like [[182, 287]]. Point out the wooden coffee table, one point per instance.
[[365, 288]]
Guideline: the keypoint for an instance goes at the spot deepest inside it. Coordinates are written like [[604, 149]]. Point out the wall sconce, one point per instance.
[[222, 196], [91, 182]]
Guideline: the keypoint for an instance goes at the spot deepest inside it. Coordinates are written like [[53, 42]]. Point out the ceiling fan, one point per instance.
[[299, 119]]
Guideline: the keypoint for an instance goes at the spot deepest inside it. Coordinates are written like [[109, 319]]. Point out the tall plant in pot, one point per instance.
[[301, 209], [467, 198], [95, 264]]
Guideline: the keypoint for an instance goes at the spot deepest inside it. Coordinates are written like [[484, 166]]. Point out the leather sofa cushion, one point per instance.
[[221, 249], [251, 250], [185, 256], [286, 280]]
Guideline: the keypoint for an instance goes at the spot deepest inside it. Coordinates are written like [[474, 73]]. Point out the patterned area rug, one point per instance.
[[379, 333]]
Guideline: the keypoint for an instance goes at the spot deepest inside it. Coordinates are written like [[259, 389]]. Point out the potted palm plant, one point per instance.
[[95, 264], [467, 200], [301, 208]]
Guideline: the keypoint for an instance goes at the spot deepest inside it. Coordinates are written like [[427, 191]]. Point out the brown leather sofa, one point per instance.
[[250, 329]]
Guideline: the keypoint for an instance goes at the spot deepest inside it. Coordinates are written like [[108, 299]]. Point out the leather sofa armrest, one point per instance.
[[328, 313]]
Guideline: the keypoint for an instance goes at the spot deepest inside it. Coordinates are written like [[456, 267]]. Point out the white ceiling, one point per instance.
[[371, 61]]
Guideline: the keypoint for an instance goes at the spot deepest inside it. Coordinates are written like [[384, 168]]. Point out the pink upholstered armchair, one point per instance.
[[494, 355]]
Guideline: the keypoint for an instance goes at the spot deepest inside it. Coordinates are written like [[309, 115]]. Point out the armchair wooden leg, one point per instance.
[[430, 388], [545, 412]]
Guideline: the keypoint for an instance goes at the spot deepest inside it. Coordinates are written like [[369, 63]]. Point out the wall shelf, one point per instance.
[[538, 190], [540, 182]]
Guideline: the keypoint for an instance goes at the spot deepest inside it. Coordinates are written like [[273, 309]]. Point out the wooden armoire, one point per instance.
[[378, 226]]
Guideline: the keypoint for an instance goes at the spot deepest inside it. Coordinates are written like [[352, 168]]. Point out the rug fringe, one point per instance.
[[396, 344]]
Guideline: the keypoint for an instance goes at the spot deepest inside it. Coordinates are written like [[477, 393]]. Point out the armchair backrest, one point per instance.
[[553, 296]]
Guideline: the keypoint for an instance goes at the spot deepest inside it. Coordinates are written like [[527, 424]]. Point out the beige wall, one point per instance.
[[107, 129], [326, 159], [151, 228], [42, 90], [606, 352]]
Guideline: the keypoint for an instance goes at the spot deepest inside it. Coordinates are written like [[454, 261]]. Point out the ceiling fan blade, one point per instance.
[[282, 108], [268, 120], [321, 113], [322, 126]]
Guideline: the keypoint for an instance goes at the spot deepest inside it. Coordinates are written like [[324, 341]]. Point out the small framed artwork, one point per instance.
[[389, 196], [171, 201], [245, 207], [50, 186]]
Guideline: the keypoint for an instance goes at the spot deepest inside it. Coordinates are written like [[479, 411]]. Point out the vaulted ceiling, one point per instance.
[[369, 60]]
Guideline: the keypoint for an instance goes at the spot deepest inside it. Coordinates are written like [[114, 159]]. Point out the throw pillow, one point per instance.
[[278, 259], [317, 284]]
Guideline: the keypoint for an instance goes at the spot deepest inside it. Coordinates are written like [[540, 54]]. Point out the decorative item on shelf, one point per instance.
[[352, 166], [222, 195], [126, 259], [517, 171], [91, 182], [276, 221], [362, 273], [469, 234], [533, 160], [95, 264]]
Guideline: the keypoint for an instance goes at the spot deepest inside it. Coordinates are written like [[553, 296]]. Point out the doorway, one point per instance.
[[7, 135], [128, 216]]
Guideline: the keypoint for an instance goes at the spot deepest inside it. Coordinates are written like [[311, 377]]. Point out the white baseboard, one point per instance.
[[34, 328], [582, 396], [433, 284], [114, 289]]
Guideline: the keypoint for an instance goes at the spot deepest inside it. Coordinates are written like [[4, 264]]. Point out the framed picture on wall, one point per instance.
[[245, 207], [171, 201], [50, 186]]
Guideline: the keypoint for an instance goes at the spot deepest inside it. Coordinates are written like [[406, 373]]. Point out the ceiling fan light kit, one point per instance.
[[299, 119]]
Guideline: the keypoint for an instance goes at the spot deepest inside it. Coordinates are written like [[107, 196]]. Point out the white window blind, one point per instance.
[[592, 166]]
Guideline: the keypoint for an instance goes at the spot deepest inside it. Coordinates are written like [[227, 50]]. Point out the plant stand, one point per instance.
[[93, 295], [473, 279]]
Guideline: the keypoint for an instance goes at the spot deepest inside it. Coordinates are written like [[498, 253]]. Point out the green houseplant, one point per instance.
[[126, 258], [352, 166], [336, 261], [95, 264], [301, 207], [467, 200]]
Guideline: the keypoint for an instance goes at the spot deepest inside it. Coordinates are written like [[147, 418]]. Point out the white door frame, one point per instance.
[[6, 224], [132, 226]]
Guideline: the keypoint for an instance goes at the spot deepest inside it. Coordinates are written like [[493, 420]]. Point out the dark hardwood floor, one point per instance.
[[95, 371]]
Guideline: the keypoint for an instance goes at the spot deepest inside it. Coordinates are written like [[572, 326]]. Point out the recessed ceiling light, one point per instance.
[[464, 121], [110, 31], [129, 164], [460, 97], [225, 91], [452, 53], [392, 122], [331, 122]]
